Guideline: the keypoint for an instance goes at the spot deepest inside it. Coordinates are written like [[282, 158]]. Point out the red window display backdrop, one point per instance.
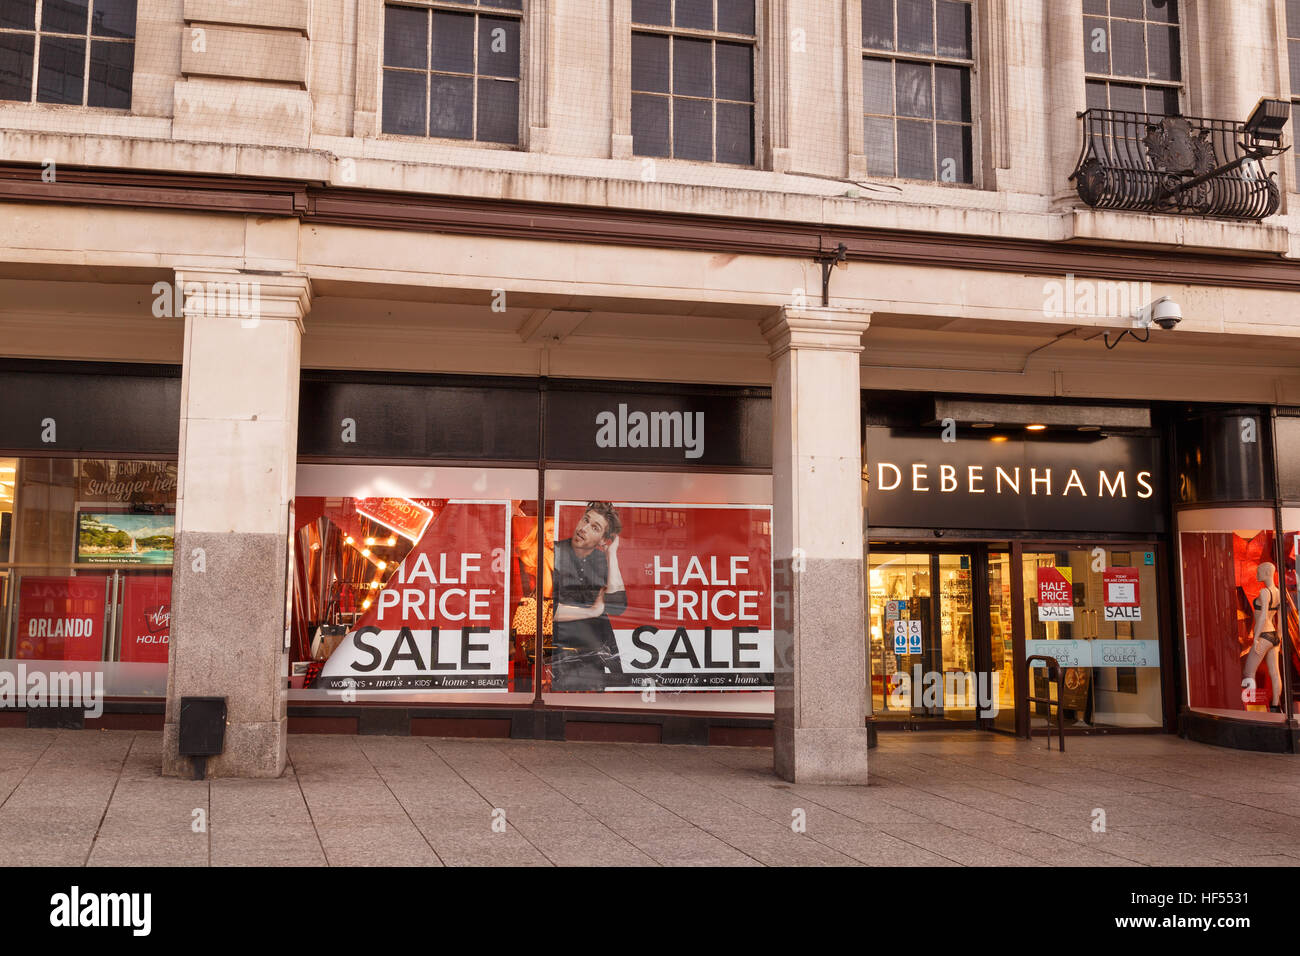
[[1220, 586], [61, 618], [146, 618]]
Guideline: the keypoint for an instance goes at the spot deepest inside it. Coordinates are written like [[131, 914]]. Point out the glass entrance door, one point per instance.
[[922, 635]]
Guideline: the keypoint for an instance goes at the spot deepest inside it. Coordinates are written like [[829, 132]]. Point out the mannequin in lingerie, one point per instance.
[[1267, 643]]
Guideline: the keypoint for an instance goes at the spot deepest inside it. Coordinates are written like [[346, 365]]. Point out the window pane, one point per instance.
[[404, 110], [1127, 98], [878, 24], [1165, 11], [697, 14], [498, 111], [453, 42], [916, 26], [406, 38], [692, 67], [1128, 53], [736, 16], [114, 18], [878, 144], [1162, 101], [498, 47], [1126, 8], [61, 70], [735, 133], [16, 67], [658, 12], [915, 150], [1293, 58], [1096, 45], [1295, 124], [878, 87], [914, 92], [64, 16], [954, 145], [649, 63], [952, 93], [1094, 6], [1162, 50], [1293, 18], [19, 14], [692, 129], [735, 72], [954, 29], [451, 107], [649, 125], [504, 4], [110, 74], [1097, 96]]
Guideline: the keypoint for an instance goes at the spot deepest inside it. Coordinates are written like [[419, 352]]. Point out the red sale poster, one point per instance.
[[696, 607], [439, 621], [1055, 594], [1122, 595], [146, 617], [61, 618]]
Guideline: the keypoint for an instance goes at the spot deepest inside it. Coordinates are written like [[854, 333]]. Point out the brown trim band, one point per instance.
[[313, 202]]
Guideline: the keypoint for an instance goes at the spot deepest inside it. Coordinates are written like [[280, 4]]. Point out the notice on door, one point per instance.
[[1055, 594], [1122, 601]]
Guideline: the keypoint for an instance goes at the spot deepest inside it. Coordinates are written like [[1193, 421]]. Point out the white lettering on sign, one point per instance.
[[727, 603], [889, 477]]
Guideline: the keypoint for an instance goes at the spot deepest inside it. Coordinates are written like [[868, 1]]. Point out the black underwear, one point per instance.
[[1271, 637]]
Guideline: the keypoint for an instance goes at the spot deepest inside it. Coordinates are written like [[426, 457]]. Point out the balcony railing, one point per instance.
[[1183, 165]]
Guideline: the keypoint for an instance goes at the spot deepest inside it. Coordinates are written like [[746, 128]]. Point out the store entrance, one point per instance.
[[939, 636]]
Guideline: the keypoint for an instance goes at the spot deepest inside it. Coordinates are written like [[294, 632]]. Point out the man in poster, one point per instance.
[[588, 588]]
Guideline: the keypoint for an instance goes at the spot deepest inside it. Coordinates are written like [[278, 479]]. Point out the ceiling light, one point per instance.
[[1089, 428], [982, 425], [1036, 428], [998, 438]]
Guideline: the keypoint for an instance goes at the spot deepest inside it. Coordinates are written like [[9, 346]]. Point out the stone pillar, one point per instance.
[[821, 662], [1066, 96], [238, 455]]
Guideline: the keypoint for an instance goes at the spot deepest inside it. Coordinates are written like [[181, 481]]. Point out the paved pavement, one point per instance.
[[96, 797]]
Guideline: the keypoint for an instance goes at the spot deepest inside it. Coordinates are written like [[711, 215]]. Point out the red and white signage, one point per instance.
[[1121, 594], [439, 622], [408, 518], [699, 595], [1055, 594], [61, 618], [146, 617]]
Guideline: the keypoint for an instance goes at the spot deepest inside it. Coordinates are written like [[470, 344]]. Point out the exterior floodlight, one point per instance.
[[1267, 120]]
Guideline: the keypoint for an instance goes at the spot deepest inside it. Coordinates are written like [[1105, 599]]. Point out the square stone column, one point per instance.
[[820, 651], [238, 456]]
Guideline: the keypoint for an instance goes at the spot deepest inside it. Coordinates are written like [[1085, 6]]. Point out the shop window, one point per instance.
[[413, 581], [916, 89], [1232, 600], [693, 79], [86, 547], [1132, 57], [663, 586], [78, 52], [452, 70], [1095, 611]]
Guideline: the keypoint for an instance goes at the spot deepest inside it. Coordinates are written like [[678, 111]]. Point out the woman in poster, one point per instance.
[[1266, 644], [588, 588]]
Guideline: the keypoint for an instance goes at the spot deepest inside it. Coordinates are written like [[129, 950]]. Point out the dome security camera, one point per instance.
[[1166, 313]]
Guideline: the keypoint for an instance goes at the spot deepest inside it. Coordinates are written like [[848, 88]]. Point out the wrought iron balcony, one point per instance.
[[1183, 165]]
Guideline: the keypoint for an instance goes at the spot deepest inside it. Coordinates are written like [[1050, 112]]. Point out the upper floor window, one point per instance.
[[1293, 59], [451, 69], [917, 57], [80, 52], [693, 79], [1131, 55]]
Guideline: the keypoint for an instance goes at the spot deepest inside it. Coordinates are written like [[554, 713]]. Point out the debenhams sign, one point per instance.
[[916, 480]]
